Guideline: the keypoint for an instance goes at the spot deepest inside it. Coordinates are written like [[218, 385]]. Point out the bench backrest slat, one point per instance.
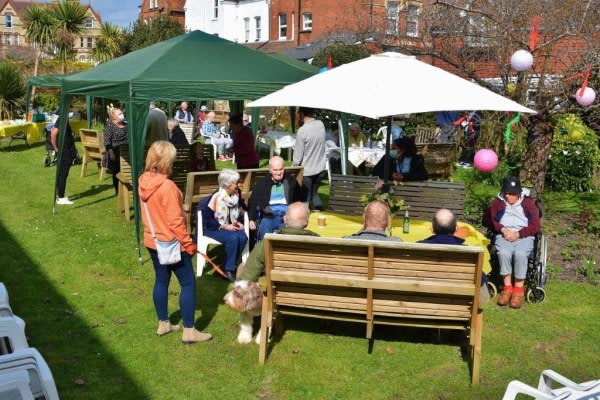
[[423, 198]]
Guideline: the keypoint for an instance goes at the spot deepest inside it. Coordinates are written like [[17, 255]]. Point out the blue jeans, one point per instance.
[[234, 242], [187, 280], [269, 225]]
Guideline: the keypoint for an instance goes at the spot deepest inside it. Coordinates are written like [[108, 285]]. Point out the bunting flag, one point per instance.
[[534, 32], [509, 126], [329, 62]]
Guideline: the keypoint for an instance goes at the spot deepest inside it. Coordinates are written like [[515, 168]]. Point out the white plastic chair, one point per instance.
[[12, 335], [204, 241], [544, 391], [4, 301], [41, 381], [15, 386]]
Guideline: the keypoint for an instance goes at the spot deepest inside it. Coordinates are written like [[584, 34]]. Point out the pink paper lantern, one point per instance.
[[587, 98], [521, 60], [486, 160]]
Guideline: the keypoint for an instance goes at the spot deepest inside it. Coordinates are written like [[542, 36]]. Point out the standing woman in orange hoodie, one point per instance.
[[164, 203]]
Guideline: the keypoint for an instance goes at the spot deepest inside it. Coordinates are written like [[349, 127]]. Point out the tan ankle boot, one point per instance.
[[165, 327], [192, 335]]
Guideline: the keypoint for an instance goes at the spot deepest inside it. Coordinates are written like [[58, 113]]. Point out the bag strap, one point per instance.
[[149, 220]]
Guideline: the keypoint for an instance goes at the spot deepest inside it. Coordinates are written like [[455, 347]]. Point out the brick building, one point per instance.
[[155, 8]]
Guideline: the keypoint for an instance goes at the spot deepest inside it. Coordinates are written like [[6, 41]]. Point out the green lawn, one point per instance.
[[75, 279]]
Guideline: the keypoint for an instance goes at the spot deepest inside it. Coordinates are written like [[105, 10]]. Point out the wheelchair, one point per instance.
[[535, 278]]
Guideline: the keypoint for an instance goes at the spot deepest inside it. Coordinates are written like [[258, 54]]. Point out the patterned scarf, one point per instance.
[[225, 207]]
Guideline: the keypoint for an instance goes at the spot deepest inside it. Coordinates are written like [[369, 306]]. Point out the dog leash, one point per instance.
[[215, 266]]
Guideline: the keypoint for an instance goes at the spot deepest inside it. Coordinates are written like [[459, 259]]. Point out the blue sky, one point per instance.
[[120, 12]]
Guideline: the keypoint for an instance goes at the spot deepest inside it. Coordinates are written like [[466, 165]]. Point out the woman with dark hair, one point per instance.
[[404, 163], [163, 217]]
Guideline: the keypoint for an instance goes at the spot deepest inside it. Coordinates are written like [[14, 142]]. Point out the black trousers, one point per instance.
[[63, 171]]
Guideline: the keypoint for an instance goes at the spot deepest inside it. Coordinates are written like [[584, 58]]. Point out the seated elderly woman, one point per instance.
[[404, 164], [222, 216], [515, 220]]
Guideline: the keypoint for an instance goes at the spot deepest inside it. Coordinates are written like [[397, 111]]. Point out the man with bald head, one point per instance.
[[444, 226], [271, 196], [296, 221], [376, 220]]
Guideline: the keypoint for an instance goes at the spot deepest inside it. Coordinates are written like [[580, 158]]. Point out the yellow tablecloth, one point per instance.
[[11, 130], [338, 225]]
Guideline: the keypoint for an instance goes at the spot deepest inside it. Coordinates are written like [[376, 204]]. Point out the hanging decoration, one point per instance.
[[586, 95], [522, 60], [485, 160], [509, 126]]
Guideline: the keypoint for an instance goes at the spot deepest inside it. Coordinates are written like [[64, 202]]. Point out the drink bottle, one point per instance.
[[406, 223]]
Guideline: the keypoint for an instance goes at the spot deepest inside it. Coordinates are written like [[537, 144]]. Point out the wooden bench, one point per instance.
[[92, 142], [423, 198], [181, 167], [202, 184], [374, 283]]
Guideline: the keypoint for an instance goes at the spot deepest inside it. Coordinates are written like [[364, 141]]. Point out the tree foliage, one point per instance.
[[110, 43], [340, 54], [12, 89], [476, 39], [68, 23], [142, 34]]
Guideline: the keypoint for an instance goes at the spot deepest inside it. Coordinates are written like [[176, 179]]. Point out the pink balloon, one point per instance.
[[486, 160], [587, 98]]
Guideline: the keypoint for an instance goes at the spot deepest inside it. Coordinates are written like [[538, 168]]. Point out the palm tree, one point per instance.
[[109, 44], [69, 22], [40, 31], [12, 88]]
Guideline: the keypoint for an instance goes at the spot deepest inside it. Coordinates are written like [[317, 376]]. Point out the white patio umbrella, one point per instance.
[[388, 84]]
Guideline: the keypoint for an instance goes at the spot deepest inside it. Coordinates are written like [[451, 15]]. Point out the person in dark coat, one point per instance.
[[271, 197], [404, 163], [445, 226], [176, 134]]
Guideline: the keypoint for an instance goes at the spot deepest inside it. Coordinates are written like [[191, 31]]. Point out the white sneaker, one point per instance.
[[63, 201]]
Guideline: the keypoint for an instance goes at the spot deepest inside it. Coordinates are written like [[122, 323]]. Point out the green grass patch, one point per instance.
[[74, 277]]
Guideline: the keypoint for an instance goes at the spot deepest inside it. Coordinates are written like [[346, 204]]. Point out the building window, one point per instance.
[[153, 4], [216, 9], [81, 42], [258, 28], [9, 20], [89, 42], [89, 24], [7, 40], [282, 26], [307, 21], [246, 29], [412, 21], [392, 18]]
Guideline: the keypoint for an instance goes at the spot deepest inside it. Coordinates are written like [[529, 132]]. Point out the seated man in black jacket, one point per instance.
[[405, 164], [270, 198]]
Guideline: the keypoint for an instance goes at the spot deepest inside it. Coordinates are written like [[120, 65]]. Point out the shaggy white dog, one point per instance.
[[246, 298]]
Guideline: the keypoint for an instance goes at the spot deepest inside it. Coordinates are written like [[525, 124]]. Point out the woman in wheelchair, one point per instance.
[[514, 219]]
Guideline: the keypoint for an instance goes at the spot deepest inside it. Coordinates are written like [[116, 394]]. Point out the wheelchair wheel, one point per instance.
[[492, 289], [541, 261], [536, 295]]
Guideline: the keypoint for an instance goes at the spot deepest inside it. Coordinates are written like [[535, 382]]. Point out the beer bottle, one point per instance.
[[406, 223]]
